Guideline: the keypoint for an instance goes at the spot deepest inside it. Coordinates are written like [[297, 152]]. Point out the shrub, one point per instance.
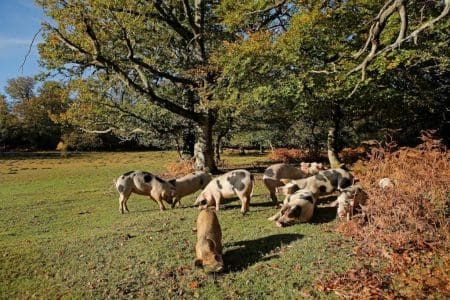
[[180, 168], [285, 155], [402, 243]]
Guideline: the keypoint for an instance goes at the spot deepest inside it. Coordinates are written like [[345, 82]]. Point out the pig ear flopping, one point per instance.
[[211, 244]]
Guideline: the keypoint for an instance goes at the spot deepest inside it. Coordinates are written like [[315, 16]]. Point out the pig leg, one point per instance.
[[123, 203], [275, 217], [160, 203], [176, 202], [271, 185], [217, 197]]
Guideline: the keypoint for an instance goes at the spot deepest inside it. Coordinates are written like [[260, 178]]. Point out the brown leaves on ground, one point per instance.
[[180, 168], [402, 243]]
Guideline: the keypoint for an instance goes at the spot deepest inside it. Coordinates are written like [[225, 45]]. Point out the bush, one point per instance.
[[402, 243], [285, 155], [180, 168]]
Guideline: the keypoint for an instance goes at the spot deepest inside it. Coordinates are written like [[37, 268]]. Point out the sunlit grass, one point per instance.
[[61, 234]]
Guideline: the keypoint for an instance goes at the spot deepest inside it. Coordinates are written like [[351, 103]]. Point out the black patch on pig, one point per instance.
[[203, 202], [172, 181], [159, 179], [295, 212], [308, 198], [294, 188], [269, 172], [120, 188], [252, 177], [334, 177], [323, 189], [236, 180], [320, 177], [147, 177], [345, 182], [127, 173], [201, 181], [218, 184]]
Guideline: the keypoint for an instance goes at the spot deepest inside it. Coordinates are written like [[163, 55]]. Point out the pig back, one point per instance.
[[208, 227]]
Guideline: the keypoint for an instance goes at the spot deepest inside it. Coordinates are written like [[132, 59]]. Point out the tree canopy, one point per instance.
[[284, 72]]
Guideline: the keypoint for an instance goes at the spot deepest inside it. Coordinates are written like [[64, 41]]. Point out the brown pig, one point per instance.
[[208, 249]]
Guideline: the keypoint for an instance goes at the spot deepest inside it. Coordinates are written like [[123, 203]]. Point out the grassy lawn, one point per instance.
[[61, 235]]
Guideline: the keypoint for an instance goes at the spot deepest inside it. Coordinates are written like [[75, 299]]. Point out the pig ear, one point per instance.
[[211, 244], [198, 263], [295, 212]]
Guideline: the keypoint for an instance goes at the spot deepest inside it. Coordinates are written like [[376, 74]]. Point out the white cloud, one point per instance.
[[10, 42]]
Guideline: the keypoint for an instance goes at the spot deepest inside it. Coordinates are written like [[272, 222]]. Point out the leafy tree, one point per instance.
[[30, 118], [146, 45], [21, 88], [8, 132], [307, 55]]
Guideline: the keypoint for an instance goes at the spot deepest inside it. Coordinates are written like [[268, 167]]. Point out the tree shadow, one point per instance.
[[253, 251]]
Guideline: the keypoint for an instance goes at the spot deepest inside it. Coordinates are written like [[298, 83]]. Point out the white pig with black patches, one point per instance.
[[297, 208], [324, 182], [143, 183], [275, 173], [237, 183]]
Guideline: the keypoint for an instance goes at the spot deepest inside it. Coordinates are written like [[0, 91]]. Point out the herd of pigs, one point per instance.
[[300, 186]]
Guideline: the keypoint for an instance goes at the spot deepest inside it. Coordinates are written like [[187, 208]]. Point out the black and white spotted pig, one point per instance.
[[143, 183], [297, 208], [324, 182], [189, 184], [237, 183], [273, 175]]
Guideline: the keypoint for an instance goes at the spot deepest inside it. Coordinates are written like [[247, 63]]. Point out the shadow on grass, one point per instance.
[[324, 214], [253, 251]]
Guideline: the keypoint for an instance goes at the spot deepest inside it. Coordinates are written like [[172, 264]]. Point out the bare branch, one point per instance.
[[375, 31], [29, 50]]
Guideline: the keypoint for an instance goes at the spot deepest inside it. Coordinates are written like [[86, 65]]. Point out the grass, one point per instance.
[[61, 235]]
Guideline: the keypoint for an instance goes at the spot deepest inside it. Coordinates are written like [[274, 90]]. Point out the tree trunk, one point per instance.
[[332, 148], [203, 149], [188, 136]]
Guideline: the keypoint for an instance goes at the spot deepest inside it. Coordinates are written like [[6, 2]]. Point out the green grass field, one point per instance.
[[61, 235]]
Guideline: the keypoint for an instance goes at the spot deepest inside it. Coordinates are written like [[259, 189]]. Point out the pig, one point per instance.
[[274, 175], [237, 183], [189, 184], [143, 183], [208, 249], [324, 182], [350, 199], [297, 208]]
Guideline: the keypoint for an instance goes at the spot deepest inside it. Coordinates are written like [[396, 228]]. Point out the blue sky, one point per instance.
[[19, 21]]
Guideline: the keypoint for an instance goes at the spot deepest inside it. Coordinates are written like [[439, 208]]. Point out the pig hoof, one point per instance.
[[279, 224], [271, 219]]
